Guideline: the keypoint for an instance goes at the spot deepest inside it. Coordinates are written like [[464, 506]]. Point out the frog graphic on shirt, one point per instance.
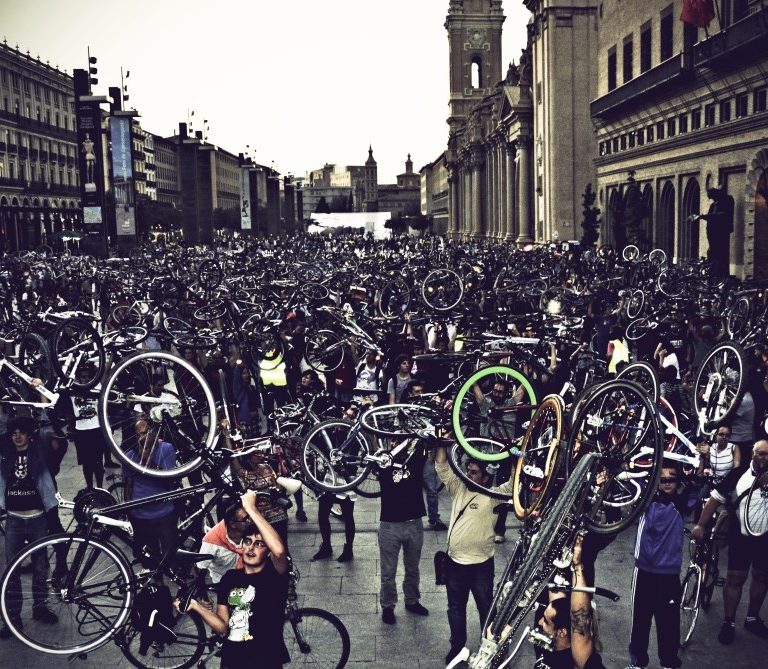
[[240, 599]]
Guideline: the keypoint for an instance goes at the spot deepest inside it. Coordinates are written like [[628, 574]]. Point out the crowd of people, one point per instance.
[[250, 543]]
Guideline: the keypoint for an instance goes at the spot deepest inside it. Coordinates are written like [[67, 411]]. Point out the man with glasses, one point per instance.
[[656, 586], [470, 545], [744, 548], [251, 601]]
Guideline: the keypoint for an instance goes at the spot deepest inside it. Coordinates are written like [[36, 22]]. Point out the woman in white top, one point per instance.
[[719, 458]]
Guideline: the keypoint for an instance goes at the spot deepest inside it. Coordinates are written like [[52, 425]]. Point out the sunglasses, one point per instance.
[[723, 434], [663, 480]]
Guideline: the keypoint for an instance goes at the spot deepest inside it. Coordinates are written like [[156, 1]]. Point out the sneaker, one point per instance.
[[301, 516], [499, 539], [388, 615], [438, 525], [452, 653], [633, 666], [417, 608], [323, 553], [5, 631], [44, 615], [727, 633], [756, 626]]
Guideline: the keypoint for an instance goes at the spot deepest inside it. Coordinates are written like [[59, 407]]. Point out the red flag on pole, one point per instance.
[[698, 12]]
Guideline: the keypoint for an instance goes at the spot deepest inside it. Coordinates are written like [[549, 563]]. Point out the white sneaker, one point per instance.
[[499, 539]]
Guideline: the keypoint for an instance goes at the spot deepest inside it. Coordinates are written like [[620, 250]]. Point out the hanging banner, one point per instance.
[[122, 175], [90, 163], [245, 198]]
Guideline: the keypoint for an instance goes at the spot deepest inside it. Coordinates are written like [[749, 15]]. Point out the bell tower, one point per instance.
[[474, 51]]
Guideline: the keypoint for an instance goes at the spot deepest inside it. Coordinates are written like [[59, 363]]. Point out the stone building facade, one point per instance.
[[434, 193], [683, 110]]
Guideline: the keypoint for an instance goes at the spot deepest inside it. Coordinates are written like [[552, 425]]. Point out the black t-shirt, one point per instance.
[[21, 495], [256, 613], [403, 499], [563, 659]]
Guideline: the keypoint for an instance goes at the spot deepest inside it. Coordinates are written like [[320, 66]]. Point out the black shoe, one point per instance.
[[323, 553], [5, 631], [451, 654], [346, 554], [111, 464], [727, 633], [44, 615], [388, 615], [438, 525], [417, 608], [756, 626], [301, 516]]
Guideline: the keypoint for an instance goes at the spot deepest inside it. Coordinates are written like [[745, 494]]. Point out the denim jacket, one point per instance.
[[45, 486]]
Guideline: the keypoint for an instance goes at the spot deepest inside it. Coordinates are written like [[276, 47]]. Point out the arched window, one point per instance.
[[689, 231], [477, 72], [665, 220]]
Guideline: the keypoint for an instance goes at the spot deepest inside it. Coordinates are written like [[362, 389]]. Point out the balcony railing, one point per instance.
[[11, 181], [745, 39], [672, 71]]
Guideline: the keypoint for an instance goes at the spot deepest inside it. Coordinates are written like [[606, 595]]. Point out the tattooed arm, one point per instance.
[[582, 639]]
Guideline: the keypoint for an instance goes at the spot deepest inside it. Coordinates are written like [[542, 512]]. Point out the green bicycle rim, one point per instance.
[[465, 387]]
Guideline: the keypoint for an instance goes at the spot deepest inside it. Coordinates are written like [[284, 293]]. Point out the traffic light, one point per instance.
[[92, 70]]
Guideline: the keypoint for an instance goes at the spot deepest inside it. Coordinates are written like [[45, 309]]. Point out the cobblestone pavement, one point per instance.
[[350, 590]]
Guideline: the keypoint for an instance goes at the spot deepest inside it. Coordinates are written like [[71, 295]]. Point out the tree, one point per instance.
[[591, 218], [340, 204], [226, 218], [153, 215], [322, 206]]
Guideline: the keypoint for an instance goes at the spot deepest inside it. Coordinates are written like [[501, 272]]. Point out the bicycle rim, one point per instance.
[[184, 652], [756, 511], [458, 459], [720, 384], [398, 421], [689, 604], [316, 638], [333, 458], [91, 605], [463, 407]]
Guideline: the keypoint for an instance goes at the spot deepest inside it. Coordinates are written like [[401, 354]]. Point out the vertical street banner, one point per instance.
[[122, 175], [245, 198], [90, 156]]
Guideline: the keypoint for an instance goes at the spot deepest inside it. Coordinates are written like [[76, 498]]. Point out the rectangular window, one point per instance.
[[627, 59], [623, 142], [632, 140], [646, 37], [611, 68], [640, 137], [601, 148], [760, 101], [742, 105], [25, 81], [666, 33], [696, 119], [725, 111], [710, 112], [682, 123], [538, 92], [671, 127], [660, 130], [615, 144]]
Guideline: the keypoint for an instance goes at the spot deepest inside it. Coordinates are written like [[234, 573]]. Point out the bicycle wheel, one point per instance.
[[316, 638], [643, 374], [657, 257], [35, 358], [333, 456], [78, 353], [710, 575], [720, 384], [738, 317], [621, 425], [394, 299], [635, 303], [756, 509], [442, 289], [536, 470], [640, 327], [630, 252], [458, 459], [398, 421], [91, 602], [370, 487], [689, 604], [324, 351], [176, 402], [181, 653], [209, 274], [670, 282], [499, 422]]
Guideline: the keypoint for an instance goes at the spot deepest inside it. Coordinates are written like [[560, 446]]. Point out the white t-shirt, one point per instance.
[[670, 360]]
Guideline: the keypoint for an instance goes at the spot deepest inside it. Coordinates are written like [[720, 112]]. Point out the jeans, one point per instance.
[[655, 596], [409, 535], [431, 485], [18, 532], [327, 500], [463, 579]]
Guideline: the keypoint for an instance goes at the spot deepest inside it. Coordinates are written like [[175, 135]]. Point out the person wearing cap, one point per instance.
[[27, 494]]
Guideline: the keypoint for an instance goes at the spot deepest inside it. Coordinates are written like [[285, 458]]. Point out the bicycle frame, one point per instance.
[[50, 397]]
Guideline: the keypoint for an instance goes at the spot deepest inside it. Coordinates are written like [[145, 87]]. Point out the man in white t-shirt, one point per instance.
[[666, 356]]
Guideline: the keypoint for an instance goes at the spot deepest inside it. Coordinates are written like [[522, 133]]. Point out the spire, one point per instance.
[[409, 165], [371, 160]]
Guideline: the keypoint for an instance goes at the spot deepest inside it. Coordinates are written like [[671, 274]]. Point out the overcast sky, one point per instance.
[[303, 82]]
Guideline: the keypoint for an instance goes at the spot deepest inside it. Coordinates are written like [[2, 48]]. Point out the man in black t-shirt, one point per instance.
[[251, 601]]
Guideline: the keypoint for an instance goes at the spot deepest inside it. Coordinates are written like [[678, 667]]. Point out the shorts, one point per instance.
[[744, 552]]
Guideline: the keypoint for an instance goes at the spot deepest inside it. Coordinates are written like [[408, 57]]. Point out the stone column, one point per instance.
[[453, 202], [477, 192], [490, 159], [466, 223], [510, 208], [525, 194], [501, 196]]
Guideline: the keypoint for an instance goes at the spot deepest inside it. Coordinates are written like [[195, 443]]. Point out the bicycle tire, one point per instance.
[[531, 488], [522, 590], [394, 299], [370, 487], [690, 600], [458, 459], [437, 291], [738, 317], [755, 513], [635, 304], [710, 575], [332, 461], [35, 358], [316, 638], [113, 603], [324, 351], [720, 384], [209, 274], [644, 374], [630, 252], [638, 328], [184, 414], [670, 283], [641, 431], [456, 414], [398, 421], [183, 653], [75, 342]]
